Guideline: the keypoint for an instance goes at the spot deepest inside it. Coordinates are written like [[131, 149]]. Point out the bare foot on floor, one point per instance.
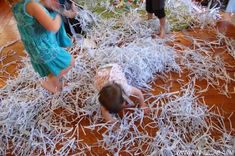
[[50, 86], [162, 34]]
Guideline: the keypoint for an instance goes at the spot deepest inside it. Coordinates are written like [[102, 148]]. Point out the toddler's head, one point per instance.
[[111, 98]]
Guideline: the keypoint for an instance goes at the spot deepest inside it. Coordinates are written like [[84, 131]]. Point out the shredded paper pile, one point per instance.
[[35, 122]]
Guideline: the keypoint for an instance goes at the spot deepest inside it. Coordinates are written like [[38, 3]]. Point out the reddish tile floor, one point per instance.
[[8, 32]]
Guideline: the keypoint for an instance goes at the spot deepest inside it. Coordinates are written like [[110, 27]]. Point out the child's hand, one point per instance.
[[146, 110], [69, 13], [72, 12], [51, 4], [116, 125], [74, 7]]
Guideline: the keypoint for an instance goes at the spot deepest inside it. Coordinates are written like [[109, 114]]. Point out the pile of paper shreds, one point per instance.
[[180, 13], [34, 122]]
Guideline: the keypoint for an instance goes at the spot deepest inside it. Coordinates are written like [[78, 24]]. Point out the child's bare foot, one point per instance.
[[51, 87], [162, 34]]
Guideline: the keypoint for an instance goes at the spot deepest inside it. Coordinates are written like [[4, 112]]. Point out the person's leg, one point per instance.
[[65, 71], [149, 9], [162, 27], [161, 16], [59, 83], [54, 83]]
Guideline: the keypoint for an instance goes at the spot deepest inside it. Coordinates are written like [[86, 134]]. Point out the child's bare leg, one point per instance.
[[53, 83], [162, 27], [64, 72]]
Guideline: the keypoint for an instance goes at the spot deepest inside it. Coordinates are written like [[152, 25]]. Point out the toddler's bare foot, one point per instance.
[[51, 87], [161, 35]]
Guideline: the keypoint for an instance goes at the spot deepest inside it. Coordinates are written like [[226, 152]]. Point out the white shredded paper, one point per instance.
[[35, 122]]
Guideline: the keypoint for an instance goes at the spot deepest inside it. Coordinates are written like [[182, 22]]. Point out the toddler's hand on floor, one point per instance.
[[146, 110], [116, 124]]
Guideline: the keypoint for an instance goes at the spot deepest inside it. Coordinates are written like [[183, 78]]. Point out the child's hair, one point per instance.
[[111, 97]]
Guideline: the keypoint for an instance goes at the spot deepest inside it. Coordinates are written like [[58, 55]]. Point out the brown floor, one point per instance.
[[8, 33]]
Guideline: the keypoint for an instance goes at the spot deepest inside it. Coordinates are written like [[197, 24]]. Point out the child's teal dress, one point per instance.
[[44, 47]]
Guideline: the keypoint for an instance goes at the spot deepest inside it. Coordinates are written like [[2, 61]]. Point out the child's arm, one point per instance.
[[106, 115], [138, 94], [35, 10]]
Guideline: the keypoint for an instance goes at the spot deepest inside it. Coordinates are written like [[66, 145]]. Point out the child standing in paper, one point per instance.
[[114, 91], [157, 7], [38, 30]]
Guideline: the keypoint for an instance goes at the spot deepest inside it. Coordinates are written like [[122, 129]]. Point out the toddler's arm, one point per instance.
[[106, 115], [137, 93], [35, 10]]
